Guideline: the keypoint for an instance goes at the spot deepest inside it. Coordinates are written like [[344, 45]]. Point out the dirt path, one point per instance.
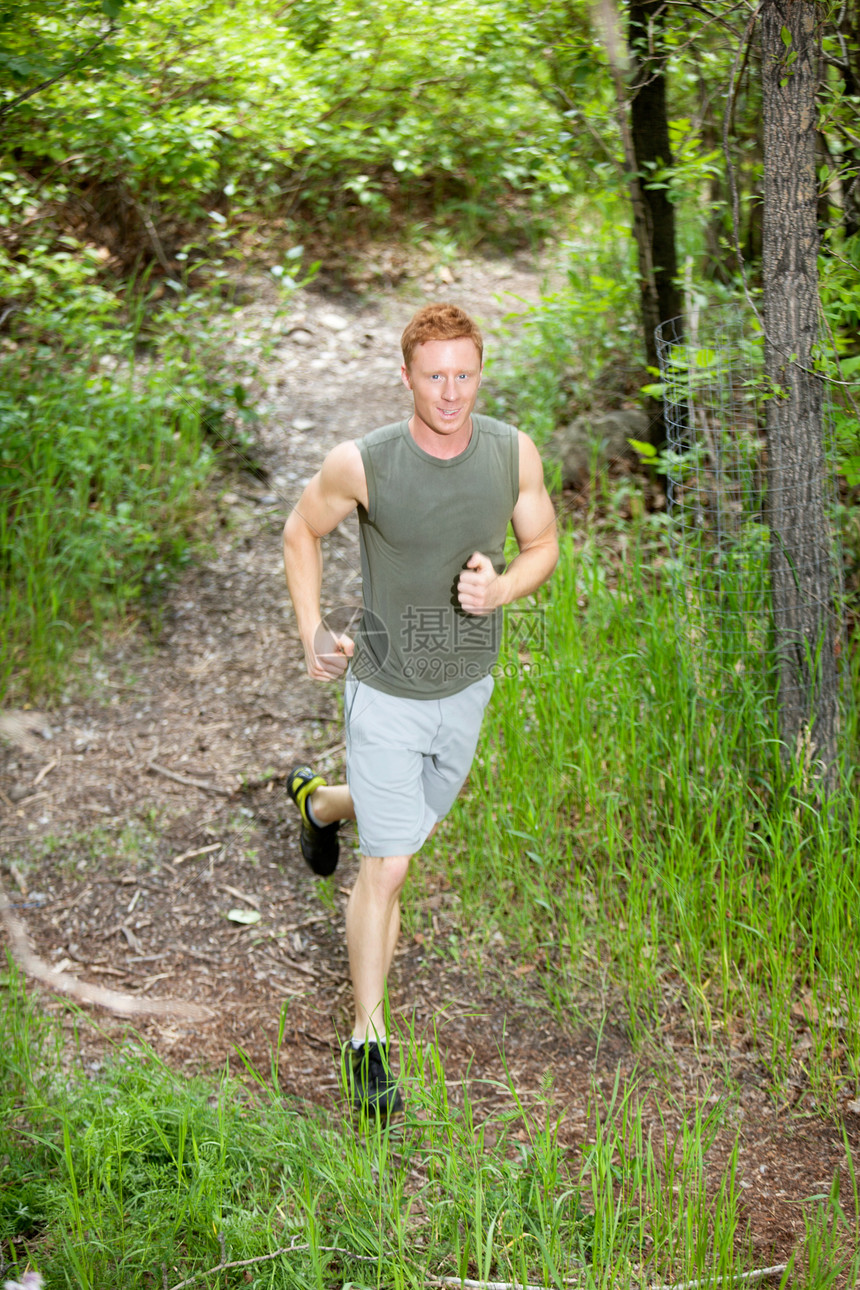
[[156, 805]]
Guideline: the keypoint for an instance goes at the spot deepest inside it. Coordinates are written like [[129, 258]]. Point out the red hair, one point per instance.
[[439, 322]]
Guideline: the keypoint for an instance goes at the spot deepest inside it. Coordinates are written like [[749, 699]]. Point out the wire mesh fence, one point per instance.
[[723, 498]]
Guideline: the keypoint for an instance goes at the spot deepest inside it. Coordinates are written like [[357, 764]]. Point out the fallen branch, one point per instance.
[[202, 784], [292, 1248], [124, 1005], [739, 1279]]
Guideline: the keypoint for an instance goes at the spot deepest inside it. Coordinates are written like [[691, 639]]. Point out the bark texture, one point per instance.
[[801, 551]]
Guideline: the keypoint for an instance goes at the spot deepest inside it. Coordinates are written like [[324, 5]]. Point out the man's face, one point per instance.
[[444, 377]]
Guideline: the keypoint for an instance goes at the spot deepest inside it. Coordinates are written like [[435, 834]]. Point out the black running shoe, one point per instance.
[[319, 846], [370, 1080]]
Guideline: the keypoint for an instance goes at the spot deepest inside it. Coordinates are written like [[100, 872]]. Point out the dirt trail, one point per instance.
[[156, 805]]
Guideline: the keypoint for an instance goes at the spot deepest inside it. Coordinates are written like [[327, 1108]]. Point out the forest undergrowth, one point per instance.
[[641, 846], [638, 849]]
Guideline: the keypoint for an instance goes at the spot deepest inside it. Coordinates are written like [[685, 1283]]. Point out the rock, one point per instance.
[[334, 322], [20, 727], [598, 438], [302, 423]]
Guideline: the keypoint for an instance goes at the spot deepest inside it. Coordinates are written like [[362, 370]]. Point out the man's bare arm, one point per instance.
[[331, 495], [480, 589]]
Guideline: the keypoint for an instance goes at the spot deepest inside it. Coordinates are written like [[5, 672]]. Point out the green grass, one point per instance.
[[643, 848], [98, 477], [620, 825], [136, 1177], [617, 830]]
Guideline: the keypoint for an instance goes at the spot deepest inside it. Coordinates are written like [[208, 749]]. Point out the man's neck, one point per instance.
[[440, 445]]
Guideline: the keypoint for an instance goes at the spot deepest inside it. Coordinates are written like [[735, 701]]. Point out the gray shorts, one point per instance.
[[406, 761]]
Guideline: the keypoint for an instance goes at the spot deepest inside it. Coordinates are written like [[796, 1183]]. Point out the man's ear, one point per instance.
[[404, 376]]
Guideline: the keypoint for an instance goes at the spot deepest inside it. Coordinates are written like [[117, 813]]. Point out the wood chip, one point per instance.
[[198, 851], [253, 901], [46, 770], [19, 878], [134, 942], [33, 797]]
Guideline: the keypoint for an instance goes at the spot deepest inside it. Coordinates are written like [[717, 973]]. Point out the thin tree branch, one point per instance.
[[739, 1279], [37, 89], [203, 785], [292, 1248]]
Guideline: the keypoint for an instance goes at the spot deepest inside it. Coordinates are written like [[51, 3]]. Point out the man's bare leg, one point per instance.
[[331, 802], [372, 929]]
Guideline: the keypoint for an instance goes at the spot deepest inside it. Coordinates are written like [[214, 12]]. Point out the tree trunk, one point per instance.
[[801, 553], [654, 222]]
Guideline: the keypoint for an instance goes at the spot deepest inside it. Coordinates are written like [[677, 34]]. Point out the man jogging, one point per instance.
[[435, 495]]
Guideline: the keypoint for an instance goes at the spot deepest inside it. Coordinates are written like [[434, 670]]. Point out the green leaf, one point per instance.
[[786, 37], [646, 451]]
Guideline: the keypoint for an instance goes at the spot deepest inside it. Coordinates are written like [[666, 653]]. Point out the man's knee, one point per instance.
[[386, 874]]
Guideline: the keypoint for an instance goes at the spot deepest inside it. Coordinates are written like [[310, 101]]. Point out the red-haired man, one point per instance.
[[435, 495]]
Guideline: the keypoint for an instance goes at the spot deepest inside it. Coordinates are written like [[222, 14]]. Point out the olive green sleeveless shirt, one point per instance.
[[425, 517]]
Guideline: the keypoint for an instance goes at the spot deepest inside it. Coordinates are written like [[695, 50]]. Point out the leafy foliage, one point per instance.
[[104, 443], [202, 112], [42, 41], [577, 350]]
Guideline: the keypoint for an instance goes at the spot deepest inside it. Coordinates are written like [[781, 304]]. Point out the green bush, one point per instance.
[[220, 113], [579, 348], [101, 454]]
